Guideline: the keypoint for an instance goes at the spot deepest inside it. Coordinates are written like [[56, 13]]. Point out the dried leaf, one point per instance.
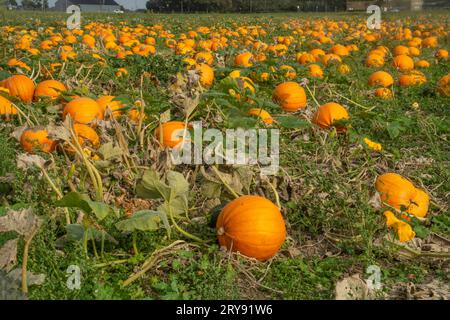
[[24, 222], [26, 161], [8, 255], [33, 279], [351, 288]]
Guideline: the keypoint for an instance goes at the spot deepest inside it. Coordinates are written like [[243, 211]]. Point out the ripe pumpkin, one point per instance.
[[251, 225], [443, 85], [245, 59], [49, 89], [412, 78], [108, 102], [6, 107], [263, 114], [206, 75], [86, 135], [399, 50], [19, 86], [329, 113], [305, 58], [339, 50], [441, 54], [403, 62], [84, 111], [383, 93], [172, 133], [374, 60], [37, 139], [395, 190], [419, 205], [430, 42], [315, 71], [381, 78], [422, 64], [290, 95]]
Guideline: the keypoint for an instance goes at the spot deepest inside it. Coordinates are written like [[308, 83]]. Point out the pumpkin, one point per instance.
[[108, 102], [419, 205], [395, 190], [443, 85], [84, 111], [170, 133], [251, 225], [430, 42], [412, 78], [204, 57], [305, 58], [343, 68], [315, 71], [290, 95], [206, 75], [374, 60], [331, 58], [245, 59], [399, 50], [263, 114], [422, 64], [403, 62], [37, 139], [381, 78], [19, 86], [441, 54], [328, 114], [383, 93], [49, 89], [339, 50], [6, 107], [86, 136]]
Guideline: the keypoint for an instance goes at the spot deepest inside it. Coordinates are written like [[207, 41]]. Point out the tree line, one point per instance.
[[244, 5]]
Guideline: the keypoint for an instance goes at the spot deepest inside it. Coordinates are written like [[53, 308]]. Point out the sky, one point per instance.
[[128, 4]]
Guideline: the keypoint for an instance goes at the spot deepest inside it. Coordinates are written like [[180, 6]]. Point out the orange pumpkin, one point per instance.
[[430, 42], [19, 86], [315, 71], [374, 60], [412, 78], [172, 133], [84, 111], [403, 62], [419, 205], [441, 54], [108, 102], [206, 75], [381, 78], [253, 226], [422, 64], [383, 93], [328, 114], [49, 89], [37, 139], [245, 59], [395, 190], [290, 95], [86, 135], [443, 85], [6, 107], [263, 114]]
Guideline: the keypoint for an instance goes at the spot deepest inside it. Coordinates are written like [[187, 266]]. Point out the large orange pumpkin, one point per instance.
[[419, 205], [19, 86], [86, 135], [443, 85], [49, 89], [395, 190], [171, 134], [253, 226], [34, 139], [328, 114], [108, 102], [84, 110], [412, 78], [290, 95], [381, 78], [403, 62]]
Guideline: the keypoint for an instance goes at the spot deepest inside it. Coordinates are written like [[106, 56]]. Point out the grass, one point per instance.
[[325, 192]]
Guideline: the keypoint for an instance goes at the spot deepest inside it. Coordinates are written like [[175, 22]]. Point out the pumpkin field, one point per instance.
[[93, 205]]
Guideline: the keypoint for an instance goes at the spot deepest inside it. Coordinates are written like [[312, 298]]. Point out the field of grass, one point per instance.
[[326, 185]]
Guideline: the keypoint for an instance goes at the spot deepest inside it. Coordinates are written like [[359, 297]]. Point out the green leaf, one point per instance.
[[177, 183], [291, 122], [151, 187], [82, 201], [75, 232], [145, 220]]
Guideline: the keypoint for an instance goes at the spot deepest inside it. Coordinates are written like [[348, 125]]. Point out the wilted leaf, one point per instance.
[[151, 186], [33, 279], [108, 151], [26, 161], [177, 183], [24, 222], [146, 220], [351, 288], [59, 133], [8, 255]]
